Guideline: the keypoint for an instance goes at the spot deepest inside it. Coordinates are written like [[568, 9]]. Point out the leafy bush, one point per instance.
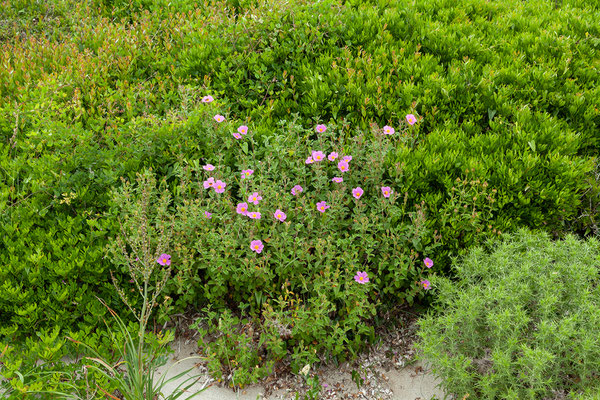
[[521, 322], [271, 234]]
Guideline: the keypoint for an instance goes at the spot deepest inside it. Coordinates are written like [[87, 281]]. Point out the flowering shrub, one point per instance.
[[521, 322], [292, 247]]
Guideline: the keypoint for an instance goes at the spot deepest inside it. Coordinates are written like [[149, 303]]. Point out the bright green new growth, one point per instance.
[[522, 322], [146, 227]]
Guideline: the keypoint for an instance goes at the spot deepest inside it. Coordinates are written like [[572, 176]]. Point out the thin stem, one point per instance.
[[142, 331]]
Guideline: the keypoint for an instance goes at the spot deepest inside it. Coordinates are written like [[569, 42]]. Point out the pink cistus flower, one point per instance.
[[332, 156], [347, 158], [361, 277], [164, 259], [207, 214], [318, 156], [219, 118], [426, 284], [343, 166], [254, 198], [254, 215], [207, 99], [320, 128], [309, 160], [219, 186], [322, 206], [243, 129], [338, 179], [257, 246], [296, 190], [357, 192], [210, 182], [242, 208], [411, 119], [246, 173], [237, 135], [428, 262], [280, 215], [386, 190], [388, 130], [208, 167]]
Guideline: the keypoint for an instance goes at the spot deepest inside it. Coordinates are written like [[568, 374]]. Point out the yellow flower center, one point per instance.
[[361, 278]]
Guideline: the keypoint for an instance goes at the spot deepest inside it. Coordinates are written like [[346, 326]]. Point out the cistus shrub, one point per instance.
[[303, 233], [521, 321]]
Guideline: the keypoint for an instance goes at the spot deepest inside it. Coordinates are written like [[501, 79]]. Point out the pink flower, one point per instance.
[[257, 246], [318, 156], [357, 192], [296, 190], [321, 128], [361, 277], [209, 183], [254, 198], [428, 262], [242, 208], [207, 214], [164, 259], [332, 156], [208, 167], [343, 166], [254, 215], [322, 206], [219, 118], [280, 215], [247, 172], [347, 158], [426, 284], [386, 190], [243, 129], [207, 99], [338, 179], [388, 130], [411, 119], [309, 160], [219, 186], [237, 135]]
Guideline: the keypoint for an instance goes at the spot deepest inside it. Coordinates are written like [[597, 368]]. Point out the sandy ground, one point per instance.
[[412, 382]]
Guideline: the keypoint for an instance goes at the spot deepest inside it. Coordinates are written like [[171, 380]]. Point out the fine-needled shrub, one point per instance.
[[522, 322]]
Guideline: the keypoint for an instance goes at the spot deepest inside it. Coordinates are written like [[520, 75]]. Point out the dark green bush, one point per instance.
[[521, 322]]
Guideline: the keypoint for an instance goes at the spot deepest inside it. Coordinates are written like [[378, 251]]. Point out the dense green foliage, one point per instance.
[[505, 93], [522, 321]]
